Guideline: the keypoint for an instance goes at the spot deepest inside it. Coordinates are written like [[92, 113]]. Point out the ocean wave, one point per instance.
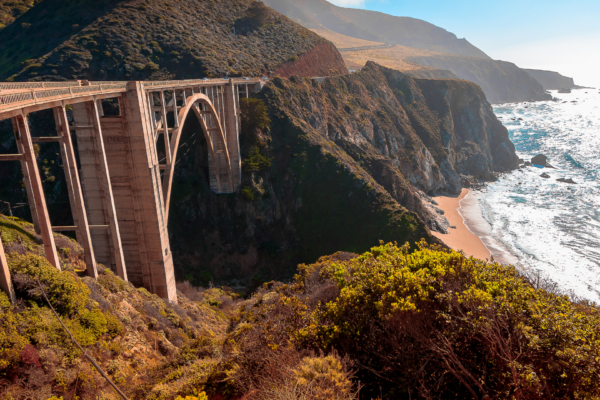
[[552, 228]]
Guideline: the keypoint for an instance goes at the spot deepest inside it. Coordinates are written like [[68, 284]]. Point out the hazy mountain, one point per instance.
[[375, 26]]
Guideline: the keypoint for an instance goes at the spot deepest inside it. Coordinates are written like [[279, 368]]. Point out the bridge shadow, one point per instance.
[[45, 27]]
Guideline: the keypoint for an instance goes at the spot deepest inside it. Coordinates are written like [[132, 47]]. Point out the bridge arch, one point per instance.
[[217, 143]]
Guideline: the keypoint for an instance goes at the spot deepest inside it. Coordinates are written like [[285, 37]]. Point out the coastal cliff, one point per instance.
[[551, 80], [502, 82], [352, 159]]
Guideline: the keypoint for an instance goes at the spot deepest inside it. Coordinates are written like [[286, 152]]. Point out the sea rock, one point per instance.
[[540, 159], [528, 164], [564, 180], [564, 90], [545, 175]]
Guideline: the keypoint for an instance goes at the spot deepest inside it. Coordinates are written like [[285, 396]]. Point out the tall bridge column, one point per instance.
[[143, 206], [97, 187], [24, 137], [26, 179], [232, 133]]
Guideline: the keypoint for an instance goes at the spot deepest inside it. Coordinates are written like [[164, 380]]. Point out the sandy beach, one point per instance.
[[460, 238], [472, 233]]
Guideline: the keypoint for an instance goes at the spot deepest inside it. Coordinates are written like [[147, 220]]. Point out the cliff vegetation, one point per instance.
[[409, 322]]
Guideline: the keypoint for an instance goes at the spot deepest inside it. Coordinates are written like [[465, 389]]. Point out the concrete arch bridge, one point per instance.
[[119, 188]]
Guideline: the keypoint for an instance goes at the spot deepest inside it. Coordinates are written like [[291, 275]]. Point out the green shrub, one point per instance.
[[256, 161], [248, 193], [95, 322], [114, 327], [65, 291], [11, 340]]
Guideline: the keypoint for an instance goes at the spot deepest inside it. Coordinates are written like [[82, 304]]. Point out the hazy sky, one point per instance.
[[558, 35]]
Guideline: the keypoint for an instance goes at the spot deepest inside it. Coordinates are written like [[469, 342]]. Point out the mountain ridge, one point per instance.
[[155, 39], [368, 25]]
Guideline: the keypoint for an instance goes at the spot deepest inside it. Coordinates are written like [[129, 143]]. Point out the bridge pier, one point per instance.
[[28, 157], [97, 187], [139, 198]]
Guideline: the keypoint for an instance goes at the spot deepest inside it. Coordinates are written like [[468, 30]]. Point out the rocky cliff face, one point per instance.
[[551, 80], [352, 160], [158, 39]]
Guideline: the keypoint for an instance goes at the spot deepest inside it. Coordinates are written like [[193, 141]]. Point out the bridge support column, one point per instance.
[[144, 204], [5, 281], [232, 133], [97, 187], [84, 238], [26, 179], [24, 137]]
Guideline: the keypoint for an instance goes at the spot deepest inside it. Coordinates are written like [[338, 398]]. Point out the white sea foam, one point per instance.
[[552, 227]]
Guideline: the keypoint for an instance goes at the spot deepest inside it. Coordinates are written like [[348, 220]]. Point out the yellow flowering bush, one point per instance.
[[433, 323]]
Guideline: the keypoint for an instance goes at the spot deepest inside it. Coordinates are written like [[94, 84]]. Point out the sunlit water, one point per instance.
[[552, 227]]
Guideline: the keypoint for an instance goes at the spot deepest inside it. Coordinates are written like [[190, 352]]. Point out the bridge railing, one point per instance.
[[36, 85], [24, 94], [32, 96]]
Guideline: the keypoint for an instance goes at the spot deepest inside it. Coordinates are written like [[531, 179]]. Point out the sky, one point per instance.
[[562, 36]]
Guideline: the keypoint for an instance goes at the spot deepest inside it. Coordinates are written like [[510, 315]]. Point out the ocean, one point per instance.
[[551, 228]]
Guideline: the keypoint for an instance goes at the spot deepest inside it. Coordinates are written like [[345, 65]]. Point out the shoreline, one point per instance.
[[472, 233], [460, 237]]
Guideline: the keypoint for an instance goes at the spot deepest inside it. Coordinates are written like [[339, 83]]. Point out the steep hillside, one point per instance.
[[13, 9], [551, 80], [350, 162], [157, 39], [136, 338], [374, 26]]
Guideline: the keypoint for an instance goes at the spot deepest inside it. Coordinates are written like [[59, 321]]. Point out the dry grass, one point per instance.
[[392, 57], [342, 41]]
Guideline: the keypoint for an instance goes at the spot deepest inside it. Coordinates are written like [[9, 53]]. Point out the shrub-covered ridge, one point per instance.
[[433, 324]]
